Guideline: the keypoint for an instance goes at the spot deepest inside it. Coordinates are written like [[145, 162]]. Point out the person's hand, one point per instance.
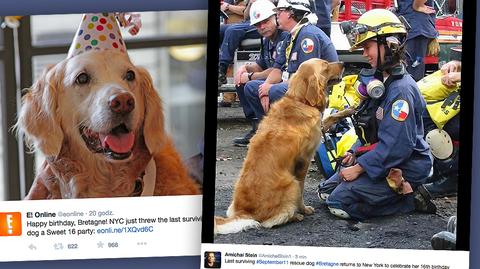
[[224, 6], [265, 103], [426, 9], [244, 78], [348, 159], [451, 79], [237, 79], [351, 173], [264, 88], [449, 67]]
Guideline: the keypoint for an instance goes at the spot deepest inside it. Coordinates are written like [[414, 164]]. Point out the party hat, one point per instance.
[[101, 31]]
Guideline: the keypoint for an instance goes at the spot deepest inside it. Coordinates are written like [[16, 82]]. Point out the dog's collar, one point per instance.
[[138, 189]]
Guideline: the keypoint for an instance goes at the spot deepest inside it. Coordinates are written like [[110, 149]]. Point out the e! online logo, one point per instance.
[[10, 224]]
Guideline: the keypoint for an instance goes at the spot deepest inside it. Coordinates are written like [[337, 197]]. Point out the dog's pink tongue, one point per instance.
[[121, 143]]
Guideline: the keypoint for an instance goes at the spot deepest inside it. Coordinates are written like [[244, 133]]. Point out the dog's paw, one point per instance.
[[308, 210], [297, 217]]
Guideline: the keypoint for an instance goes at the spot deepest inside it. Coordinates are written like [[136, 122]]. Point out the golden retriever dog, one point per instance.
[[99, 122], [269, 191]]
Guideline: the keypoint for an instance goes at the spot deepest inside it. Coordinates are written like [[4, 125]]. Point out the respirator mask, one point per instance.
[[371, 84]]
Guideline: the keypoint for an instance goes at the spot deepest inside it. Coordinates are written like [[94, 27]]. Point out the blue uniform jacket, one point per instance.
[[310, 42], [421, 23], [270, 50], [400, 135]]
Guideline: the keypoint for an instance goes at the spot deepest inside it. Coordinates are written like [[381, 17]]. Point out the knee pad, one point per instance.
[[440, 144]]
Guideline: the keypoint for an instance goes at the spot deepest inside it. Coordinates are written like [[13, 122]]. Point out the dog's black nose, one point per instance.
[[121, 103]]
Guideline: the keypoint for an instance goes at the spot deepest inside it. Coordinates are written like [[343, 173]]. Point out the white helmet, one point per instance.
[[260, 11], [303, 5]]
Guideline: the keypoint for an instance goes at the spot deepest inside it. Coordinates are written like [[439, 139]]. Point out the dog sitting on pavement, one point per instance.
[[269, 191]]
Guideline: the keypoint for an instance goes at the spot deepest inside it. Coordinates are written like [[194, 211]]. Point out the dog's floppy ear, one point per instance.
[[38, 115], [315, 95], [153, 127]]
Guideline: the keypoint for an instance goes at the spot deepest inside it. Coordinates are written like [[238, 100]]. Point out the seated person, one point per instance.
[[256, 73], [396, 159], [305, 41], [233, 9], [231, 35], [442, 131]]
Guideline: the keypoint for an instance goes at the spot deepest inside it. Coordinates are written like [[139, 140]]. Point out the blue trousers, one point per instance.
[[276, 92], [417, 48], [233, 34], [247, 109], [223, 28], [365, 198]]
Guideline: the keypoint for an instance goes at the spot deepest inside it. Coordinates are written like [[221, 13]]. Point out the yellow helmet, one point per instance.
[[373, 23]]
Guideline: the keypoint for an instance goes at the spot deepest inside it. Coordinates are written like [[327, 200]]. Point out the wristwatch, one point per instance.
[[250, 75]]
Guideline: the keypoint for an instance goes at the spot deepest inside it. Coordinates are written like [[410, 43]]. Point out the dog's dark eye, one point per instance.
[[130, 76], [83, 78]]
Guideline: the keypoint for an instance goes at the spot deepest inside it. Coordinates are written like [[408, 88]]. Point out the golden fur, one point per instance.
[[269, 191], [58, 113]]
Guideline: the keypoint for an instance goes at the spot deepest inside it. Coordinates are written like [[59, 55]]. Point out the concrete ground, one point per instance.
[[408, 231]]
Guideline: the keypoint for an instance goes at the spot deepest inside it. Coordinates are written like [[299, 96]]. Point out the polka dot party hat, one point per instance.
[[101, 31]]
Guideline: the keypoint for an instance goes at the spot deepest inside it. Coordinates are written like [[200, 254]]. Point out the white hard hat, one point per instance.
[[440, 144], [303, 5], [260, 11]]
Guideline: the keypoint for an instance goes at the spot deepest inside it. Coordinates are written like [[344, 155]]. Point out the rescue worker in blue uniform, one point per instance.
[[233, 34], [252, 75], [420, 14], [379, 178], [304, 42]]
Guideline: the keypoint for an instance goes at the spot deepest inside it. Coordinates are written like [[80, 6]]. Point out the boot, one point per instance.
[[222, 74], [228, 99], [445, 186], [245, 140], [423, 201], [326, 187], [444, 241]]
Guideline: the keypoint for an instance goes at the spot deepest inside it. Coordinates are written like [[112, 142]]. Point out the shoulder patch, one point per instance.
[[307, 45], [400, 110]]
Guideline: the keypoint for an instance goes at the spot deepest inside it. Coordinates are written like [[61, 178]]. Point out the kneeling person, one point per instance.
[[397, 160]]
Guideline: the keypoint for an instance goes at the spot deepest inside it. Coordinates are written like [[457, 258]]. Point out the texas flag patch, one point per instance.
[[307, 45], [400, 110]]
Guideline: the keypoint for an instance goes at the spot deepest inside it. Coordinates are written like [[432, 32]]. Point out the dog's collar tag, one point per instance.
[[285, 76], [137, 191]]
